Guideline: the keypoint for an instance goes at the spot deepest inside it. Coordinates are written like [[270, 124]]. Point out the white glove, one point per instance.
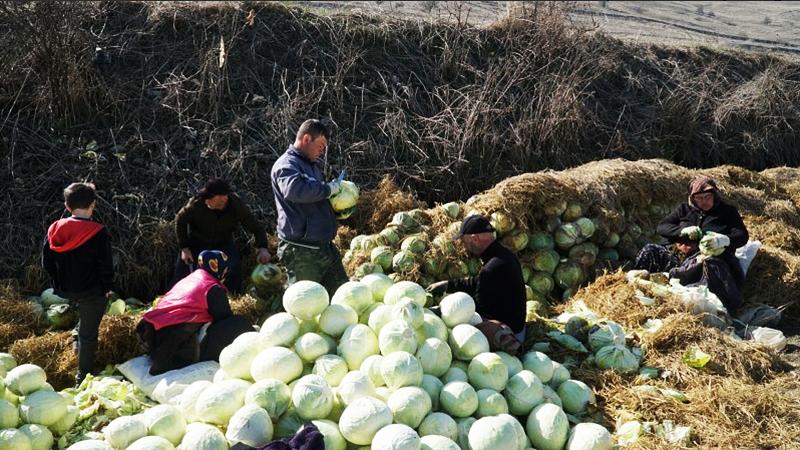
[[335, 186], [694, 233], [713, 244]]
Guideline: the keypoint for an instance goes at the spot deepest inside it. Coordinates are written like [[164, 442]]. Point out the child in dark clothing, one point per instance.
[[77, 256]]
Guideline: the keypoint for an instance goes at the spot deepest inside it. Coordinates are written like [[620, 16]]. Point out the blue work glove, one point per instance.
[[336, 186]]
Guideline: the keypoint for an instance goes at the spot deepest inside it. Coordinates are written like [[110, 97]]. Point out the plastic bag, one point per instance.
[[699, 298], [747, 253], [770, 337], [169, 385], [628, 433]]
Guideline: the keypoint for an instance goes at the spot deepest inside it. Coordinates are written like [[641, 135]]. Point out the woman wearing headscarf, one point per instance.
[[208, 222], [688, 225], [193, 321]]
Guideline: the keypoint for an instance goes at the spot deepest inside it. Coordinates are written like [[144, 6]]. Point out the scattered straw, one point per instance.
[[773, 233], [256, 309], [377, 206], [611, 296], [10, 333], [722, 412], [729, 357], [53, 352], [118, 341], [774, 279], [22, 314]]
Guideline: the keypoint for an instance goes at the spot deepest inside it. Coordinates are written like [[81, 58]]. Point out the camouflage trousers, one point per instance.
[[323, 265]]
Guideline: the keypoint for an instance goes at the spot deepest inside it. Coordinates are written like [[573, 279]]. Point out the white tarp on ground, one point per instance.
[[168, 386]]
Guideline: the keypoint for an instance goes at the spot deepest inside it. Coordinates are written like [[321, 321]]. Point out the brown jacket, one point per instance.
[[195, 223]]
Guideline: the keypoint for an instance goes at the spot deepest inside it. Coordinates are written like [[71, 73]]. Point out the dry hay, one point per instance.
[[782, 175], [741, 399], [788, 178], [357, 259], [344, 234], [21, 312], [53, 351], [773, 233], [19, 319], [604, 186], [377, 206], [774, 279], [621, 183], [10, 333], [256, 310], [611, 296], [723, 412], [118, 341], [730, 357], [440, 220]]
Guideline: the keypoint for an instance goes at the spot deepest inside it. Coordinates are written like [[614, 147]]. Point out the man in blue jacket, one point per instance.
[[306, 222]]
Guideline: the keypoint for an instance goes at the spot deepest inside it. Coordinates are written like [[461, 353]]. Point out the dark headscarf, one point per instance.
[[214, 262], [700, 184]]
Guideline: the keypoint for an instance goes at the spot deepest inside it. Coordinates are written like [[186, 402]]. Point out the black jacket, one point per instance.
[[196, 223], [499, 289], [78, 265], [723, 218]]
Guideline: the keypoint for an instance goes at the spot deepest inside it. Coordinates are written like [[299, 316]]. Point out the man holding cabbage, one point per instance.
[[306, 221], [498, 290], [706, 231]]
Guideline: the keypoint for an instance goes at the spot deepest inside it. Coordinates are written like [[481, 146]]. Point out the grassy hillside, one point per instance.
[[148, 100]]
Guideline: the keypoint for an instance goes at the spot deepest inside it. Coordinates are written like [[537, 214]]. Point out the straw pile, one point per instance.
[[377, 206], [256, 308], [741, 399], [19, 319], [51, 351], [54, 353]]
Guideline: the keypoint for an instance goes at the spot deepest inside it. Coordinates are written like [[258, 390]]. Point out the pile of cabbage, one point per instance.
[[371, 366], [31, 413], [35, 417], [61, 315], [605, 339], [560, 251]]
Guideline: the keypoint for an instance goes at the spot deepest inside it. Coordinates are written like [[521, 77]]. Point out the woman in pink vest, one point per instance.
[[171, 331]]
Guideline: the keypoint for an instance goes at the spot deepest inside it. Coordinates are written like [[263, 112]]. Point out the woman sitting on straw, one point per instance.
[[172, 331], [707, 231]]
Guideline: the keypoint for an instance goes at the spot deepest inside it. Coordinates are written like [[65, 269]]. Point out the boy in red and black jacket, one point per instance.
[[77, 256]]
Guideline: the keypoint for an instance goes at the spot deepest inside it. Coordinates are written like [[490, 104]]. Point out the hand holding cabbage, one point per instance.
[[713, 244], [694, 233]]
